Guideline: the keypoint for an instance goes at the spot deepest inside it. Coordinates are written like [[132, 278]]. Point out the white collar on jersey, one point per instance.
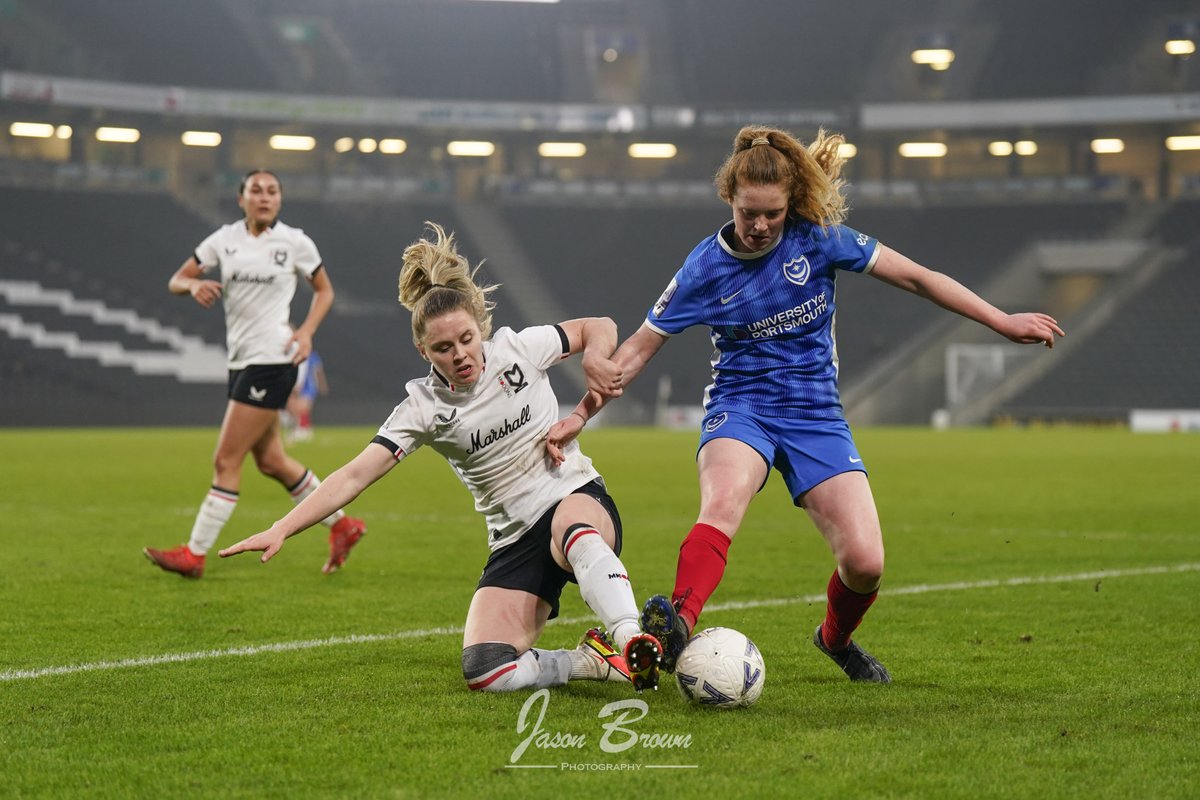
[[269, 229]]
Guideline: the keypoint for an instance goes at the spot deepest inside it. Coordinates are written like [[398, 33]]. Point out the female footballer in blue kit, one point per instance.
[[764, 285], [485, 407]]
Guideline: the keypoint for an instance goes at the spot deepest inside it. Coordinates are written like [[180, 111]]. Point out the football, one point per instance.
[[720, 668]]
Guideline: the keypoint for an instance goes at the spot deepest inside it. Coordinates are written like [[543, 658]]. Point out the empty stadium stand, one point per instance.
[[86, 323], [1147, 356]]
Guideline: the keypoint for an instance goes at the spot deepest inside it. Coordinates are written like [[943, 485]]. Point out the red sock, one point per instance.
[[845, 611], [702, 559]]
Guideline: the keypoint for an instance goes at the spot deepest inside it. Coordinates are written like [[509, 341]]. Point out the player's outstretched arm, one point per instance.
[[334, 492], [1029, 328], [902, 272], [636, 351]]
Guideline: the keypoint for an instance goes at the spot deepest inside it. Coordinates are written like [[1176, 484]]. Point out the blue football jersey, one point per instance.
[[771, 316]]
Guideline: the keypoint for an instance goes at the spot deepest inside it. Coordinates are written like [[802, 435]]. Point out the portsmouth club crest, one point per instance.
[[797, 270]]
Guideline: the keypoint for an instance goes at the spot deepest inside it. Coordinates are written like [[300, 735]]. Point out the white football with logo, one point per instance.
[[720, 668]]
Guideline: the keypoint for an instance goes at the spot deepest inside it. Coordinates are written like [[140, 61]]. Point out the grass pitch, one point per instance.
[[1038, 617]]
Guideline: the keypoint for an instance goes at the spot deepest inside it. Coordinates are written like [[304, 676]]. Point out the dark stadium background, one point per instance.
[[1105, 241]]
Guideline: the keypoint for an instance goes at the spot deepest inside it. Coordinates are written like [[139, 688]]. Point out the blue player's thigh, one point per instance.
[[733, 462], [813, 451]]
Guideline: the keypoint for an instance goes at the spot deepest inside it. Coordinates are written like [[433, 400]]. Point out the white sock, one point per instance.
[[583, 666], [537, 669], [553, 666], [306, 486], [214, 512], [603, 582]]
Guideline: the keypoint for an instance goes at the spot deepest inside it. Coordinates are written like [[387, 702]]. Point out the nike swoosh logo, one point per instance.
[[854, 460], [725, 300]]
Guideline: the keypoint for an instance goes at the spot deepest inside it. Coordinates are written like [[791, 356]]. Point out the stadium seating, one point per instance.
[[1028, 60], [969, 243], [1178, 226], [1145, 357], [591, 256], [526, 53], [612, 260], [143, 40], [116, 247]]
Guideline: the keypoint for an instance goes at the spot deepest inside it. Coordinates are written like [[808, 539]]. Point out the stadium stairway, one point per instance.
[[511, 264], [1042, 276]]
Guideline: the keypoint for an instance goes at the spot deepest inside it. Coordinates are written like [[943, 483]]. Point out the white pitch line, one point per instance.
[[333, 641], [200, 655]]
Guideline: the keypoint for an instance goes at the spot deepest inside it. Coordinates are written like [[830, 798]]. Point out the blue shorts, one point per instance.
[[805, 451], [306, 379]]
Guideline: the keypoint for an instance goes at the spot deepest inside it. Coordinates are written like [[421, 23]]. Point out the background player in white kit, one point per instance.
[[259, 260], [485, 407]]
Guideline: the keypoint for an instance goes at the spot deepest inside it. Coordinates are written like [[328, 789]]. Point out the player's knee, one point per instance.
[[273, 465], [489, 666], [862, 570], [725, 518], [224, 463]]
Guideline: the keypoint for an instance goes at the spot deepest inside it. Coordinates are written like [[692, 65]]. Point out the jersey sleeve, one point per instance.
[[848, 249], [543, 345], [308, 258], [405, 430], [208, 254], [679, 306]]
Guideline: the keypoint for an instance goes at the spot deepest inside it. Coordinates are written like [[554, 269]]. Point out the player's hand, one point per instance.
[[205, 292], [1031, 328], [604, 376], [560, 435], [269, 542], [300, 345]]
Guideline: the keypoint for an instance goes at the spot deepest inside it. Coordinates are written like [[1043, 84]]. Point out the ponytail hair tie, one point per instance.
[[760, 140]]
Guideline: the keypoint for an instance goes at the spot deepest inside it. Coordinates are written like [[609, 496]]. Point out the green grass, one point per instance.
[[1073, 687]]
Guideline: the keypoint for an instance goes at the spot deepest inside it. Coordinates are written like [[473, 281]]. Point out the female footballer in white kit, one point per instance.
[[485, 407], [258, 262]]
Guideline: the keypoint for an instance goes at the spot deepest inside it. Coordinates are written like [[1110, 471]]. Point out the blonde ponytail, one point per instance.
[[435, 280]]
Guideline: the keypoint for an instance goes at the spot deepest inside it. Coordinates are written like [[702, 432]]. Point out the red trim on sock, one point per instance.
[[575, 538], [844, 612], [702, 558], [475, 687]]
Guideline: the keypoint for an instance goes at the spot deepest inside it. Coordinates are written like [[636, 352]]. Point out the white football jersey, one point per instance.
[[258, 277], [493, 432]]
